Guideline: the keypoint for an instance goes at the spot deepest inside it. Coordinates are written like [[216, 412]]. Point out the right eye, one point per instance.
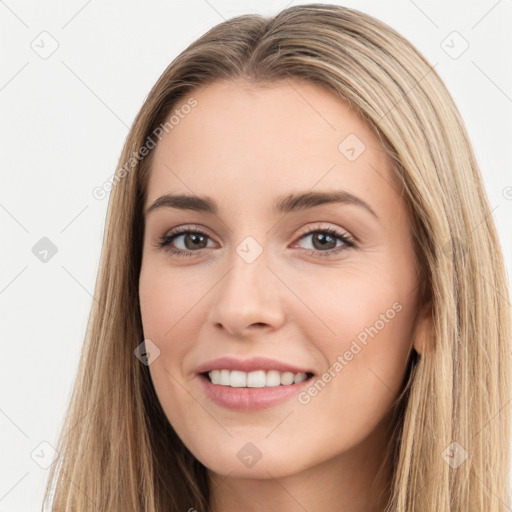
[[190, 237]]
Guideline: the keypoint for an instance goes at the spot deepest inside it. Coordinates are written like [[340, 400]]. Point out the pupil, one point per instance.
[[194, 237], [324, 239]]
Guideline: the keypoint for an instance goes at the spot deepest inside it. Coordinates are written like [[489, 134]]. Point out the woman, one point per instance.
[[302, 301]]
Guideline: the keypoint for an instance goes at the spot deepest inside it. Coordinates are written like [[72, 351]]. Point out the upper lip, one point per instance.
[[249, 365]]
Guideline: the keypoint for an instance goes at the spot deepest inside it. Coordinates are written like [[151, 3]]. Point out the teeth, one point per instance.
[[273, 378], [256, 379]]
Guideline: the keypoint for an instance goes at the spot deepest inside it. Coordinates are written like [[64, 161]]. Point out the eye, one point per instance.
[[327, 238], [324, 241], [193, 239]]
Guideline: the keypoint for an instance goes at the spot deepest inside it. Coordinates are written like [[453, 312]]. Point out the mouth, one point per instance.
[[248, 391], [255, 379]]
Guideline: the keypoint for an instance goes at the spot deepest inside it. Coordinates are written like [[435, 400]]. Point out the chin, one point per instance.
[[241, 458]]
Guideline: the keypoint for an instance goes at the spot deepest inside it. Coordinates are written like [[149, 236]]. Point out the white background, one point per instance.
[[62, 126]]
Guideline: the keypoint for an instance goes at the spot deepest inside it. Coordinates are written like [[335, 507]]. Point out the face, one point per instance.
[[322, 287]]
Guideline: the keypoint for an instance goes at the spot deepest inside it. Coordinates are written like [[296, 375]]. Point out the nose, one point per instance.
[[248, 299]]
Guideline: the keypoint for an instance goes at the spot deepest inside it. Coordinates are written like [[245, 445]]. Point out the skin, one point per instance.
[[244, 145]]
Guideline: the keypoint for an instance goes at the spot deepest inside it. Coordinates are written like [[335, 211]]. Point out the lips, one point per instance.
[[236, 396], [250, 365]]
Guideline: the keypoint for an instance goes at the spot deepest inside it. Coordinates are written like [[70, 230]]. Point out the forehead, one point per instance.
[[246, 143]]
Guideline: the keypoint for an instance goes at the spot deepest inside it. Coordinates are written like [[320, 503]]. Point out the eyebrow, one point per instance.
[[284, 204]]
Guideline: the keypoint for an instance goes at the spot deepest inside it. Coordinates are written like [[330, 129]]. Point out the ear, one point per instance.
[[424, 332]]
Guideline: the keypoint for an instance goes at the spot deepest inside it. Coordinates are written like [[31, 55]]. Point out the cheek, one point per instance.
[[363, 329], [168, 321], [166, 300], [358, 387], [346, 303], [172, 314]]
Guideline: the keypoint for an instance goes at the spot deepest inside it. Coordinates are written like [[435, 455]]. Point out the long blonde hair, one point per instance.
[[117, 450]]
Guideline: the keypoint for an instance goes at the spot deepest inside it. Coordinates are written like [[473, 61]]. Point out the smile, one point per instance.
[[245, 391], [255, 379]]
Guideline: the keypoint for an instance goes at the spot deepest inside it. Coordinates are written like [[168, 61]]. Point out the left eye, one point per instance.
[[327, 239], [195, 240]]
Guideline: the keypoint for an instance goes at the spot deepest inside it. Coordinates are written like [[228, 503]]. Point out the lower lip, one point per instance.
[[250, 399]]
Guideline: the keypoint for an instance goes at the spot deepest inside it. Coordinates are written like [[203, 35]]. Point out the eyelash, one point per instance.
[[168, 238]]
